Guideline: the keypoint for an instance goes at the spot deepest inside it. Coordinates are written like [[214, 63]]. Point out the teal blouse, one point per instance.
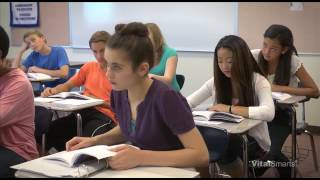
[[161, 67]]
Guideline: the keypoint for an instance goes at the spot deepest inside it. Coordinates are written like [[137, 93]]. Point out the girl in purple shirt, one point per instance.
[[151, 115]]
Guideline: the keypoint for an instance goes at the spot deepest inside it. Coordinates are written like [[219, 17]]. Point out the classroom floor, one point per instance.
[[304, 155]]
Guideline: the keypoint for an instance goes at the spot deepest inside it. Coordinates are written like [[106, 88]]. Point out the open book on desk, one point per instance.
[[287, 98], [216, 116], [67, 104], [75, 158], [70, 95], [69, 164], [40, 77]]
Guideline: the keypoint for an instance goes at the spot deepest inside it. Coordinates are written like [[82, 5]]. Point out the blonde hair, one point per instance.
[[34, 32], [157, 39]]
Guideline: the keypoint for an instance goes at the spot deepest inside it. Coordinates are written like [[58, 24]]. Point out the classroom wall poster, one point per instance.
[[24, 14]]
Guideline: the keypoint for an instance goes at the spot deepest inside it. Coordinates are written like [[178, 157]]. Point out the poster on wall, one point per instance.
[[24, 14]]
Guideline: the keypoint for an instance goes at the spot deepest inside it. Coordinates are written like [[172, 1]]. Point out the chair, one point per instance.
[[302, 128], [180, 78], [43, 117]]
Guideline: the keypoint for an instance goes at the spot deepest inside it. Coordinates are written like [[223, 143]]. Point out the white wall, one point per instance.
[[196, 66]]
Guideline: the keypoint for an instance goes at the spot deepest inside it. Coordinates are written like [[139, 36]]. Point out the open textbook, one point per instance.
[[287, 98], [57, 103], [39, 76], [70, 95], [74, 158], [78, 163], [216, 116]]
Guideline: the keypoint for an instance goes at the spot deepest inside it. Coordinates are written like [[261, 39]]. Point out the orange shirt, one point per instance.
[[96, 84]]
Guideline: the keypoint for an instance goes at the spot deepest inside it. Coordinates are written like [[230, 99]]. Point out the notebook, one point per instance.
[[216, 116], [287, 98]]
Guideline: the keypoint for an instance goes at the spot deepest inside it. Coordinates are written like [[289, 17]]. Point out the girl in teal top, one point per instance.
[[166, 58]]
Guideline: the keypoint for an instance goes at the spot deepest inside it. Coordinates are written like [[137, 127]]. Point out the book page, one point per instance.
[[38, 76], [71, 157], [204, 115], [65, 95]]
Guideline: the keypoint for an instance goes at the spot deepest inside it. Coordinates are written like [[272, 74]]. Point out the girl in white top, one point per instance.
[[238, 87], [284, 71]]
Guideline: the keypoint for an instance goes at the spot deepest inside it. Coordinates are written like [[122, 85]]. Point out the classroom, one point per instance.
[[198, 39]]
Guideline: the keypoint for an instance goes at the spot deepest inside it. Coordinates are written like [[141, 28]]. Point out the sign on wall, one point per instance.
[[24, 14]]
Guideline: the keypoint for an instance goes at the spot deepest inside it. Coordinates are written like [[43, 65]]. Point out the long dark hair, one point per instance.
[[4, 43], [243, 67], [284, 35]]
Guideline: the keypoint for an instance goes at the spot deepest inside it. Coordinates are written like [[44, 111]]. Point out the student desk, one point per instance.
[[138, 172], [241, 129], [70, 108]]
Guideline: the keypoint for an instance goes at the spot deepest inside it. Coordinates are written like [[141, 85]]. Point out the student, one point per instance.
[[45, 59], [17, 142], [151, 115], [238, 87], [166, 59], [278, 59], [95, 120]]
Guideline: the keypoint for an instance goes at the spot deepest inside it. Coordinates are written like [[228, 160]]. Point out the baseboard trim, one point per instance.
[[314, 129]]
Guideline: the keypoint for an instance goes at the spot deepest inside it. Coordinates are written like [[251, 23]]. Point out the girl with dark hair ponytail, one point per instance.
[[279, 60], [151, 115]]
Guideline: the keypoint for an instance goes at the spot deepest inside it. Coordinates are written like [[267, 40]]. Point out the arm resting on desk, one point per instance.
[[309, 88], [62, 72], [65, 87], [194, 154], [114, 136]]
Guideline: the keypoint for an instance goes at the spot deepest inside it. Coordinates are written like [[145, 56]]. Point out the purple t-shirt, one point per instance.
[[162, 116]]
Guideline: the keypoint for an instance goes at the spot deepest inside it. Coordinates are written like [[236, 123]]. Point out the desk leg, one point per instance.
[[79, 125], [294, 143], [245, 155]]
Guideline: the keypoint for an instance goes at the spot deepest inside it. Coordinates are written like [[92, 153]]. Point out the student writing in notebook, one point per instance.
[[166, 58], [279, 61], [238, 87], [17, 141], [96, 120], [50, 60], [151, 115]]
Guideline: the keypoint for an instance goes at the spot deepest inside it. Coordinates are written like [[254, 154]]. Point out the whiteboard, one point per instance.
[[186, 26]]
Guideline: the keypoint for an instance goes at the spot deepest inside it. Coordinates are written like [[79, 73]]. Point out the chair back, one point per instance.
[[43, 118], [180, 78]]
